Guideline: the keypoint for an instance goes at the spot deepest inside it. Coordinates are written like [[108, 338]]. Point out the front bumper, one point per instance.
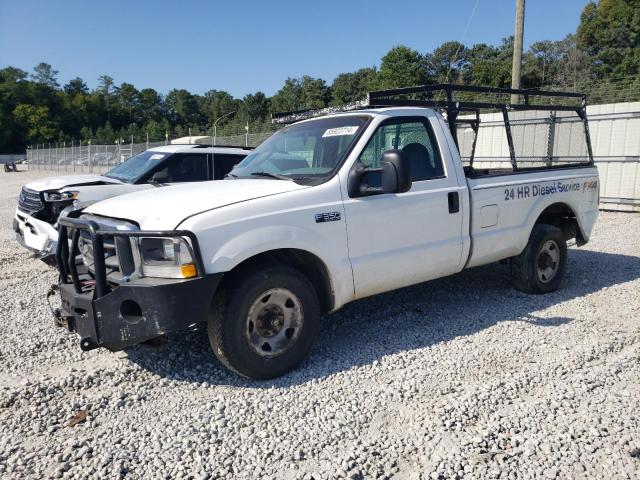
[[136, 312], [118, 316], [35, 235]]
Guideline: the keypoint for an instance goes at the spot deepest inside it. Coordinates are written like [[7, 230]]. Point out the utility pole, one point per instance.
[[517, 49]]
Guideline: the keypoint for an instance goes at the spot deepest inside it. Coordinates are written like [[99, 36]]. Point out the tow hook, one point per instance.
[[57, 314]]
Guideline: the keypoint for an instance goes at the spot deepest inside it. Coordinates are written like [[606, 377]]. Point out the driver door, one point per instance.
[[401, 239]]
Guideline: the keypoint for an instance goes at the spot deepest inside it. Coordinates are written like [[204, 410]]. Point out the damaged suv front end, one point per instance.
[[121, 286], [35, 219]]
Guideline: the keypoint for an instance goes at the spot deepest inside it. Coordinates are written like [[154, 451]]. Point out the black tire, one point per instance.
[[230, 321], [538, 256]]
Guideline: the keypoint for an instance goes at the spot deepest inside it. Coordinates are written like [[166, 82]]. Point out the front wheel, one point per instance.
[[263, 323], [540, 267]]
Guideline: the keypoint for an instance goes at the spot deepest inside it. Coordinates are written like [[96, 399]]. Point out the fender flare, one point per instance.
[[543, 204]]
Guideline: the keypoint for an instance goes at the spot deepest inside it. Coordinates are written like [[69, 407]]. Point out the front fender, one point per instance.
[[248, 244], [231, 235], [237, 249]]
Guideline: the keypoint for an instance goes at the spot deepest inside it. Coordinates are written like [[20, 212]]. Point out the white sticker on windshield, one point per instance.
[[335, 132], [157, 156]]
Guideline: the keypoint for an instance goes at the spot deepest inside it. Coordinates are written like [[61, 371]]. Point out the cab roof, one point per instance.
[[201, 149]]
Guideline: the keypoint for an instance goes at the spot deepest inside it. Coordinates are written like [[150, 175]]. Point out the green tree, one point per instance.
[[157, 129], [43, 73], [217, 103], [86, 133], [541, 63], [75, 87], [14, 89], [301, 93], [609, 32], [105, 85], [12, 74], [447, 62], [35, 123], [315, 92], [104, 135], [255, 107], [150, 105], [489, 65], [353, 86], [402, 67], [127, 96], [289, 97], [183, 108], [575, 64]]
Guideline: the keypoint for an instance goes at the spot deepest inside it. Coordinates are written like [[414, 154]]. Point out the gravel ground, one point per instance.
[[462, 377]]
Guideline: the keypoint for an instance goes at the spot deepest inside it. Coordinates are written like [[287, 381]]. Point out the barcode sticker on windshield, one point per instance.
[[335, 132], [157, 156]]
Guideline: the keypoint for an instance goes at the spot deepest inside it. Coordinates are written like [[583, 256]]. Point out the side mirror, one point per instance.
[[396, 172], [395, 175]]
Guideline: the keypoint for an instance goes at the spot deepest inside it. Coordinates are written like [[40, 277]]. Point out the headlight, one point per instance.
[[166, 258], [60, 196]]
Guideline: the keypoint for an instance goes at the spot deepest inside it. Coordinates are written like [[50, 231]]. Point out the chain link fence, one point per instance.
[[87, 158]]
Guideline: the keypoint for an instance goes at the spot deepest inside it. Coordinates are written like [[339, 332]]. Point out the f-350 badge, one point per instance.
[[328, 217]]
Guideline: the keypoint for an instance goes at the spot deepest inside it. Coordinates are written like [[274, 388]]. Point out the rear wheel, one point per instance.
[[263, 323], [540, 267]]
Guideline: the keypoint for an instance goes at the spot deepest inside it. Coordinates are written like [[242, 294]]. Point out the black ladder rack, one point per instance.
[[455, 99]]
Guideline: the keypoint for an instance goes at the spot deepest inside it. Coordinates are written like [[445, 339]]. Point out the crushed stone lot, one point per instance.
[[462, 377]]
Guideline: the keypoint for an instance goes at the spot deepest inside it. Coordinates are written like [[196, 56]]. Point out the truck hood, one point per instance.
[[56, 183], [165, 208]]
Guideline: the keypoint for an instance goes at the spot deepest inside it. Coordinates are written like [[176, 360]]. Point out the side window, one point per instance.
[[415, 138], [185, 167], [222, 164]]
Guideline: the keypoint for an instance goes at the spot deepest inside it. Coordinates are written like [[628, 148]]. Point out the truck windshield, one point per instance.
[[306, 152], [136, 166]]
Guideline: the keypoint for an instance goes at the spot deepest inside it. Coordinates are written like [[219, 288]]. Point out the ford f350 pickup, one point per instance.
[[328, 210]]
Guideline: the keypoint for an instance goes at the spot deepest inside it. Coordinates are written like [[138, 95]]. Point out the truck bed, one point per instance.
[[505, 207]]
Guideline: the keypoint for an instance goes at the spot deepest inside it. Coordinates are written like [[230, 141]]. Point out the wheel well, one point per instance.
[[563, 217], [309, 264]]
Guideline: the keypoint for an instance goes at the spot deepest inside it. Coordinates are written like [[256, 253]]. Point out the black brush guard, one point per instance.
[[116, 316]]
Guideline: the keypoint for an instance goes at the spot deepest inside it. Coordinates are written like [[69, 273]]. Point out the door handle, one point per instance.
[[454, 202]]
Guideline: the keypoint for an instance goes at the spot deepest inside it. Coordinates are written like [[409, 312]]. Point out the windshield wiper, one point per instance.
[[272, 175], [231, 175]]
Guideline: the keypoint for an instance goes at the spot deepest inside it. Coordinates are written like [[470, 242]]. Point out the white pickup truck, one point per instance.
[[326, 211], [42, 201]]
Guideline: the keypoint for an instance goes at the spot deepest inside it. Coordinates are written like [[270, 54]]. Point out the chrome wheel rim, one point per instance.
[[548, 261], [274, 322]]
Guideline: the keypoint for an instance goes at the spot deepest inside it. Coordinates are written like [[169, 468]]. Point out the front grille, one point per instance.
[[118, 259], [29, 201]]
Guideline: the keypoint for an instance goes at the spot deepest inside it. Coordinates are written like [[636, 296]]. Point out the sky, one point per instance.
[[248, 46]]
